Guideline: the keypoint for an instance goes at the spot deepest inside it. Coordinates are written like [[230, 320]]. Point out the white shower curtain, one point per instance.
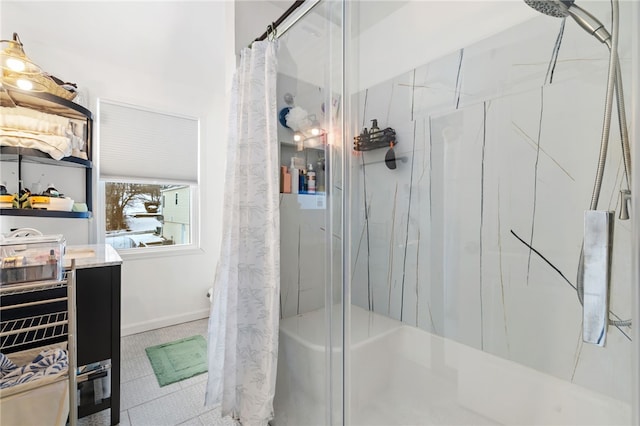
[[243, 325]]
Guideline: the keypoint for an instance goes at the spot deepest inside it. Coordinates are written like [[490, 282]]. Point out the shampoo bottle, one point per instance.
[[295, 178], [311, 180]]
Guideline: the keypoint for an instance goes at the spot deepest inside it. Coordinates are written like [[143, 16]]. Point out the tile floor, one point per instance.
[[143, 402]]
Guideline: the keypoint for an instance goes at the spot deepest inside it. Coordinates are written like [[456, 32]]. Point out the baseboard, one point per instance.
[[143, 326]]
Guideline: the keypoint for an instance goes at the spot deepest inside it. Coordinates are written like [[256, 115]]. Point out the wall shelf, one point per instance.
[[30, 155], [45, 102], [45, 213], [50, 104]]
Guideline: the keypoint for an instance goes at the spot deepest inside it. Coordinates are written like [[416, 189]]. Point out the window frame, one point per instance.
[[156, 251], [194, 247]]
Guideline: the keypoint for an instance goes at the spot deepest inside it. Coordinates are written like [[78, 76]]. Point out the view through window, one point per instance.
[[147, 215]]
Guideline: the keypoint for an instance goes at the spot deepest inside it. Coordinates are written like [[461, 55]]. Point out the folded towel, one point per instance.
[[56, 146], [25, 119]]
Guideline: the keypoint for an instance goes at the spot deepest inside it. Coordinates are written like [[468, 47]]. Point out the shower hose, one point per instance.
[[614, 82]]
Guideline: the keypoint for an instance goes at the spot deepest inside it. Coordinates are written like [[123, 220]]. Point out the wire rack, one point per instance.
[[39, 328], [20, 328], [31, 320]]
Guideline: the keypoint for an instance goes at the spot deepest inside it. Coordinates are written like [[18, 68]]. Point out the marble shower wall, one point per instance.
[[305, 268], [302, 219], [476, 234]]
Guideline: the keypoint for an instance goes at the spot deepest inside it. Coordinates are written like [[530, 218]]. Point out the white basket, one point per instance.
[[44, 401]]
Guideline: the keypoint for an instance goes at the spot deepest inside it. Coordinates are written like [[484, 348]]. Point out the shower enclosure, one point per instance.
[[434, 278]]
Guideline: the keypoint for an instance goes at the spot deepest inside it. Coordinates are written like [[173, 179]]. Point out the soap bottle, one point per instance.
[[374, 136], [295, 177], [320, 175], [302, 185], [311, 179]]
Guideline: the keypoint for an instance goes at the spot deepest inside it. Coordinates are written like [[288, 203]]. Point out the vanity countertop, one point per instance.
[[91, 256]]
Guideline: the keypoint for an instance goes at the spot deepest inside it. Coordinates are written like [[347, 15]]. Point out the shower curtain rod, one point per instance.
[[280, 31]]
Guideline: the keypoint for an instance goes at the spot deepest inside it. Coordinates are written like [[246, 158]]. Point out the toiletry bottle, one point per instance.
[[320, 175], [373, 135], [311, 180], [295, 177], [285, 180], [302, 186], [363, 140]]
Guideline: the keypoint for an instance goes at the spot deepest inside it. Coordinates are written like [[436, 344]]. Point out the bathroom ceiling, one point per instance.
[[253, 16]]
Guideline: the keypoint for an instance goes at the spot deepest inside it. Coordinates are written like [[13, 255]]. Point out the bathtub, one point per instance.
[[401, 375]]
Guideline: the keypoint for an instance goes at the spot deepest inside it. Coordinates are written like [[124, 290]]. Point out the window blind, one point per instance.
[[138, 143]]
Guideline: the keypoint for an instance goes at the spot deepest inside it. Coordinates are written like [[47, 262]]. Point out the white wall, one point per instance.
[[420, 31], [253, 17], [168, 56]]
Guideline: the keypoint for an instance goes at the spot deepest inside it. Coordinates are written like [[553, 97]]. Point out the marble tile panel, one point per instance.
[[509, 169]]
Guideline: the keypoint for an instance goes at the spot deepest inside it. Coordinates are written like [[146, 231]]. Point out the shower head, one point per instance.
[[564, 8], [555, 8]]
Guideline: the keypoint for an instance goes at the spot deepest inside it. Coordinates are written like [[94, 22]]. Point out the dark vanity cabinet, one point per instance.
[[97, 288], [98, 314]]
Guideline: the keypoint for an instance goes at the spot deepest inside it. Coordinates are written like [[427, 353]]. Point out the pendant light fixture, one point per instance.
[[18, 71]]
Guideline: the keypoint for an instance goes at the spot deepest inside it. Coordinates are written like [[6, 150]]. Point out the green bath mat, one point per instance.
[[178, 360]]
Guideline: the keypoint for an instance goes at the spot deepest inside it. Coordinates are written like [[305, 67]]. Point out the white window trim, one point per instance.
[[194, 247]]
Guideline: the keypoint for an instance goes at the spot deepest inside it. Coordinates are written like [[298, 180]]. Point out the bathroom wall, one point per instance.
[[169, 56], [477, 233]]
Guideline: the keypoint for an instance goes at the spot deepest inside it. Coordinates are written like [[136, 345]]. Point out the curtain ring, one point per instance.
[[272, 31]]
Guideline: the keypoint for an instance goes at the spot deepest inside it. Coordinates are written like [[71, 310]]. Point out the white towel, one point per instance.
[[18, 118]]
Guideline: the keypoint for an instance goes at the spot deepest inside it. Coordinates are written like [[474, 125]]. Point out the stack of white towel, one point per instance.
[[24, 127]]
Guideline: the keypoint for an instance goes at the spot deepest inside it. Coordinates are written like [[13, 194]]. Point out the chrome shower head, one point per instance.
[[564, 8], [555, 8]]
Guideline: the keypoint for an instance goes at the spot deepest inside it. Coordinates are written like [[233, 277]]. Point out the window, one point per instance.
[[148, 166], [136, 216]]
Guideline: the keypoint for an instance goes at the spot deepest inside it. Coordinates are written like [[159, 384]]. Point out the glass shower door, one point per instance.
[[473, 160], [309, 98]]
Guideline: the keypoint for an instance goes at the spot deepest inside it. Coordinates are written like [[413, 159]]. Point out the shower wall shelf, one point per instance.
[[50, 104], [373, 140]]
